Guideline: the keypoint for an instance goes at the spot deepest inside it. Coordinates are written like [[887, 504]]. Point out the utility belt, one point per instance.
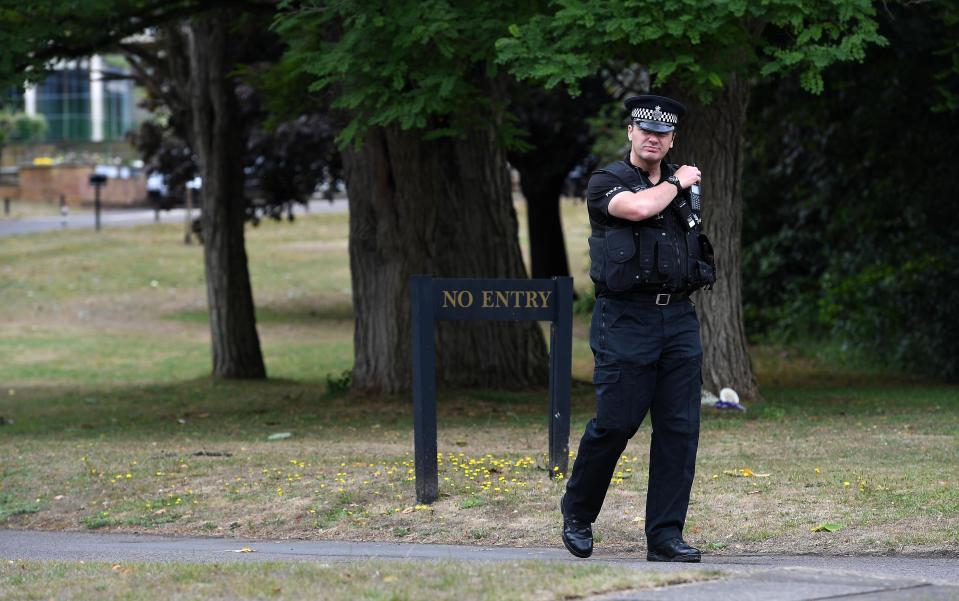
[[653, 298]]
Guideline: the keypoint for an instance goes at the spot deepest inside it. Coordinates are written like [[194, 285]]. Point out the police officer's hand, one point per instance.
[[688, 175]]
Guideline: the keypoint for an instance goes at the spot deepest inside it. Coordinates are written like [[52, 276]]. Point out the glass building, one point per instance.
[[82, 102]]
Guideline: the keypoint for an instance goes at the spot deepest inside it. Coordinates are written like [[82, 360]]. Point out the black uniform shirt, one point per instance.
[[603, 186]]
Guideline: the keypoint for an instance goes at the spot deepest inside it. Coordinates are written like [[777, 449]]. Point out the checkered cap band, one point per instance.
[[654, 115]]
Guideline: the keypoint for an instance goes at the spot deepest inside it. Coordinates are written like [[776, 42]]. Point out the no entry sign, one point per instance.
[[439, 299]]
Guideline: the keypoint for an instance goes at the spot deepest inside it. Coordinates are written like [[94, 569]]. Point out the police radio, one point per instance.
[[690, 211]]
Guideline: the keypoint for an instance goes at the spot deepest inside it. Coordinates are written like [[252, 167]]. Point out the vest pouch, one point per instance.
[[703, 274], [621, 272], [652, 252], [706, 250], [702, 268], [597, 258]]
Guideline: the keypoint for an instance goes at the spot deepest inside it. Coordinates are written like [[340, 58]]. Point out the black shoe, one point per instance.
[[577, 534], [578, 537], [673, 549]]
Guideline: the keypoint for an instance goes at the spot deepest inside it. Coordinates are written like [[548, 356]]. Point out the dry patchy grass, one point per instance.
[[109, 422], [346, 472]]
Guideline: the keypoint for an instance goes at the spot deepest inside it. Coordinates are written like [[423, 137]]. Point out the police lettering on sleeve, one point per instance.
[[602, 188]]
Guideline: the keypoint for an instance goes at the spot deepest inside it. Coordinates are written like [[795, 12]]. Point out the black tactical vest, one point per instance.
[[659, 254]]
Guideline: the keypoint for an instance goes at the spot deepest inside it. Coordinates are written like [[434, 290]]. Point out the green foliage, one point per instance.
[[902, 313], [849, 227], [20, 127], [414, 64], [99, 520], [701, 44], [10, 507], [947, 54], [34, 33], [340, 383]]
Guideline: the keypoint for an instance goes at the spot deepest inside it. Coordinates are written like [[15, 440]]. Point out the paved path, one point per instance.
[[782, 577], [126, 217]]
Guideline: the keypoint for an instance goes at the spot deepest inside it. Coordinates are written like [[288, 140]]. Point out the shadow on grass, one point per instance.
[[249, 410], [281, 314], [198, 407]]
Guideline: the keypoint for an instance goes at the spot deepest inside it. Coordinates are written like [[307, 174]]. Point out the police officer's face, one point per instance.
[[650, 146]]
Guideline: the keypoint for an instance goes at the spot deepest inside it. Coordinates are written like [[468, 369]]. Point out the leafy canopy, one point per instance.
[[417, 64], [700, 42], [20, 127], [34, 33]]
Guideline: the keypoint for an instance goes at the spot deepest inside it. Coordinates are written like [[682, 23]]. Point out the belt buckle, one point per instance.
[[665, 302]]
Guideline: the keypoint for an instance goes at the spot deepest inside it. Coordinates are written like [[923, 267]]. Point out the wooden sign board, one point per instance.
[[446, 299]]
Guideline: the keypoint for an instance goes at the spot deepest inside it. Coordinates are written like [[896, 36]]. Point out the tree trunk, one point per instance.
[[712, 138], [546, 241], [559, 138], [442, 208], [219, 141]]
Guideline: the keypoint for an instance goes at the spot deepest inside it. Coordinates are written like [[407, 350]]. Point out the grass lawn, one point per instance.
[[386, 580], [24, 209], [110, 421]]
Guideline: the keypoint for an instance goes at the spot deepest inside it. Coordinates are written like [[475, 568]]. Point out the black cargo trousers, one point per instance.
[[648, 359]]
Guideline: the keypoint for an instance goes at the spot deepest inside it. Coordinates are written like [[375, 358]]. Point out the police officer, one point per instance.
[[647, 253]]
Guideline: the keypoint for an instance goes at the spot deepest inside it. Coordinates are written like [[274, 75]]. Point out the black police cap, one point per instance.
[[655, 113]]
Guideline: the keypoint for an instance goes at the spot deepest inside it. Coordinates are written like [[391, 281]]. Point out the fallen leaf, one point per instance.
[[827, 527], [245, 549], [58, 497]]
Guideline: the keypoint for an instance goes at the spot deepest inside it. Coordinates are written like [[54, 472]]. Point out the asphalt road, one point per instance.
[[779, 577], [112, 218]]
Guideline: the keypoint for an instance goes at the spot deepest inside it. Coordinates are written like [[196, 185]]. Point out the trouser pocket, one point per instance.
[[623, 395]]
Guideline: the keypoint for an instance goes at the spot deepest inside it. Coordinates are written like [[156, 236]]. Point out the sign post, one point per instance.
[[435, 299], [97, 180]]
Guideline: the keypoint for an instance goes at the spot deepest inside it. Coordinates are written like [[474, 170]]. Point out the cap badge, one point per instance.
[[657, 114]]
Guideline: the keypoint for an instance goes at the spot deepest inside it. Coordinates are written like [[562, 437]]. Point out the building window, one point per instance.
[[116, 112], [64, 100]]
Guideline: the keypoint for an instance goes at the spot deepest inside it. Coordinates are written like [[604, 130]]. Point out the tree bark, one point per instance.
[[711, 136], [218, 139], [545, 225], [560, 137], [439, 207]]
